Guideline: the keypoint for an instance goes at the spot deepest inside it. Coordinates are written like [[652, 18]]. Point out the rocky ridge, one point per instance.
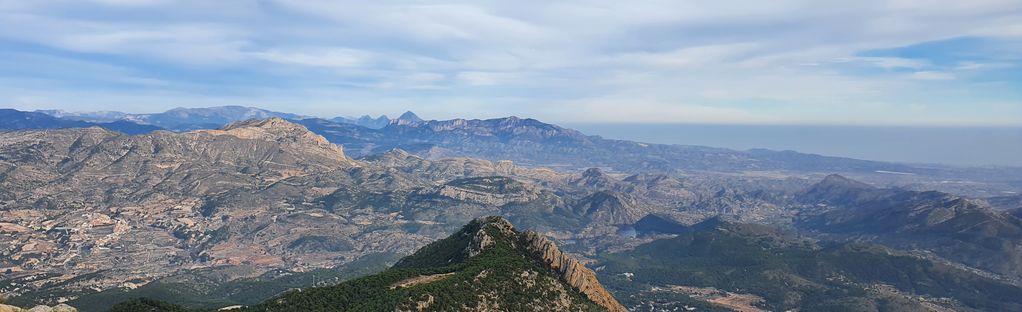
[[572, 271]]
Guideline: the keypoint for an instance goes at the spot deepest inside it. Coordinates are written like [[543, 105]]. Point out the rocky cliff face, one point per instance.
[[495, 190], [572, 271]]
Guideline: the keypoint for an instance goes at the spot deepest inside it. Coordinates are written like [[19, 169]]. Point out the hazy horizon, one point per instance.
[[958, 146]]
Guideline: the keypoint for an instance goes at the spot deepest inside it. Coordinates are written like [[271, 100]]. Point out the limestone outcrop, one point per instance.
[[572, 271]]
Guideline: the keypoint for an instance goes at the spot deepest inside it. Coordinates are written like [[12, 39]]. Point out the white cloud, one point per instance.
[[478, 78], [329, 57], [677, 59], [932, 75], [895, 62]]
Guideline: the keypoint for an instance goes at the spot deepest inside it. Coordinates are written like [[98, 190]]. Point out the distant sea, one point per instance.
[[966, 146]]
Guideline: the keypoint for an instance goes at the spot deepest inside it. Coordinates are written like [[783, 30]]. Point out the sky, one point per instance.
[[865, 62]]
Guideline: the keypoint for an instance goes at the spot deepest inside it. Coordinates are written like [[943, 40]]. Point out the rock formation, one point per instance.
[[572, 271]]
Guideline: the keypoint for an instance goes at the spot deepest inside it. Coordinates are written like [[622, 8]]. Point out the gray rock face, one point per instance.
[[572, 271]]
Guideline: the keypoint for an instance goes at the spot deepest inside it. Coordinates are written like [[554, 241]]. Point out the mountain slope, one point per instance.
[[487, 266], [610, 208], [257, 151], [101, 208], [213, 288], [951, 226], [767, 269]]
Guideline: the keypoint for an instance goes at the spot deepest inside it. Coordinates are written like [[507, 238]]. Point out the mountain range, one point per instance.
[[185, 119], [178, 119], [242, 213], [15, 120], [533, 143]]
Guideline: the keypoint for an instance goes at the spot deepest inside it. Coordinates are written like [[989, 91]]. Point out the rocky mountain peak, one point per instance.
[[594, 178], [398, 153], [837, 180], [483, 238], [268, 123], [291, 136], [570, 270], [593, 172], [270, 129], [410, 116], [838, 190], [610, 208]]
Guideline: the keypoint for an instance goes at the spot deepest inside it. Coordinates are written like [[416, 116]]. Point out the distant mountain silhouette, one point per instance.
[[180, 119], [11, 119]]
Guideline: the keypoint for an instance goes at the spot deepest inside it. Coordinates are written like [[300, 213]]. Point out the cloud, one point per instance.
[[330, 57], [478, 78], [932, 75], [896, 62], [683, 61]]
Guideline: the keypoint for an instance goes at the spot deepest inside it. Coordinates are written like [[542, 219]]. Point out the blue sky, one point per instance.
[[905, 62]]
